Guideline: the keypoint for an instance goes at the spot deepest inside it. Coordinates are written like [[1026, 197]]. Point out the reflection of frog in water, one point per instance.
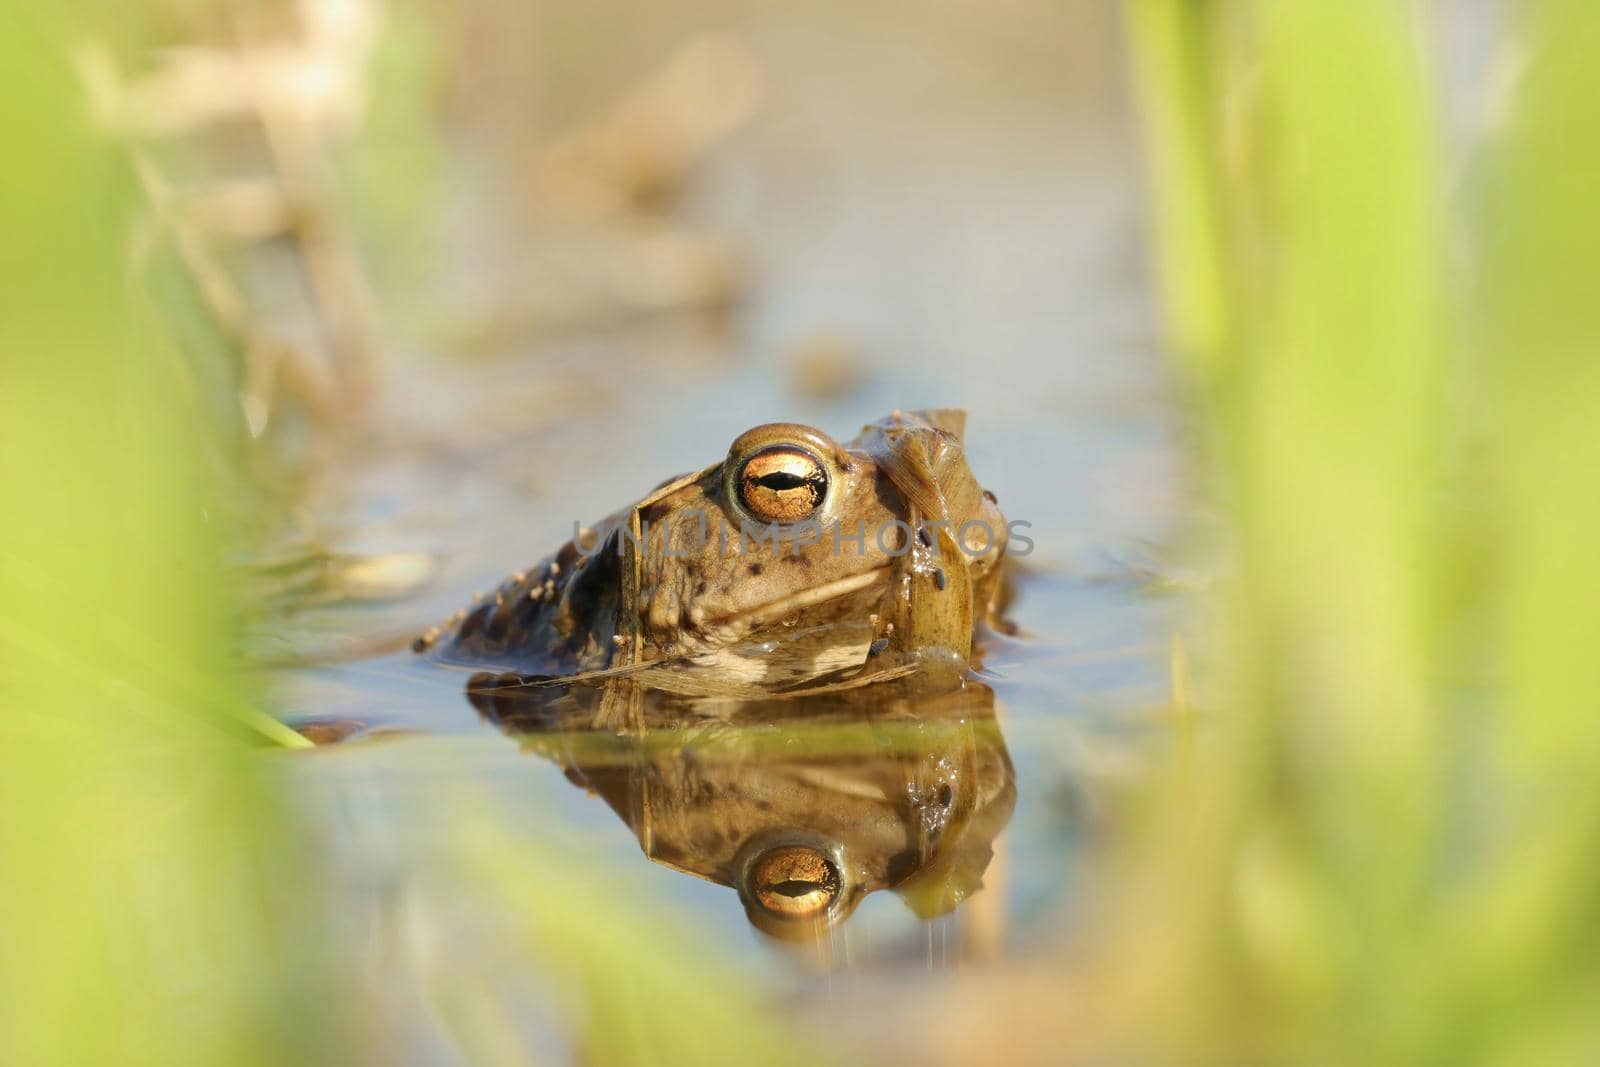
[[795, 561], [803, 805]]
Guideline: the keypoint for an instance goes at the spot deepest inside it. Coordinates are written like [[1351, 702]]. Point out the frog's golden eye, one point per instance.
[[782, 484], [793, 882]]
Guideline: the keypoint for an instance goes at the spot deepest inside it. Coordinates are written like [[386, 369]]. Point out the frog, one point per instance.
[[803, 805], [794, 561]]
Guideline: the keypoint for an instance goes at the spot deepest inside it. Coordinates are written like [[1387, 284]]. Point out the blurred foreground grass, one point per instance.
[[146, 913], [162, 897], [1385, 850]]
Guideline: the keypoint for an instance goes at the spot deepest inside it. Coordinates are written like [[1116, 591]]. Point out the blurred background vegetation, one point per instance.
[[232, 234], [1386, 851]]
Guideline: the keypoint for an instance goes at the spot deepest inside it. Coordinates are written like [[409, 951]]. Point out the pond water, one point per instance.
[[920, 221]]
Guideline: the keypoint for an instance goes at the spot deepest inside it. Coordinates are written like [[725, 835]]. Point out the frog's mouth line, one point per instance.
[[767, 614]]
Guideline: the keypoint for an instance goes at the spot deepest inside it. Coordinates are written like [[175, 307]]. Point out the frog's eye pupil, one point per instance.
[[781, 480], [782, 484]]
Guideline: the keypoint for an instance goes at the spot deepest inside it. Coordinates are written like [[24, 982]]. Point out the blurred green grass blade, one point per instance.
[[143, 912], [261, 726], [1176, 73], [1544, 292], [1335, 725], [1286, 888], [1343, 380], [1536, 982]]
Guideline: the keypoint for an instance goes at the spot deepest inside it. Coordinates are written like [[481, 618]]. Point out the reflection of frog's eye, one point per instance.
[[793, 882], [782, 484]]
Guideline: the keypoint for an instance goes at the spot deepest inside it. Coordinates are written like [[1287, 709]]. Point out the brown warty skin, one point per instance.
[[672, 579]]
